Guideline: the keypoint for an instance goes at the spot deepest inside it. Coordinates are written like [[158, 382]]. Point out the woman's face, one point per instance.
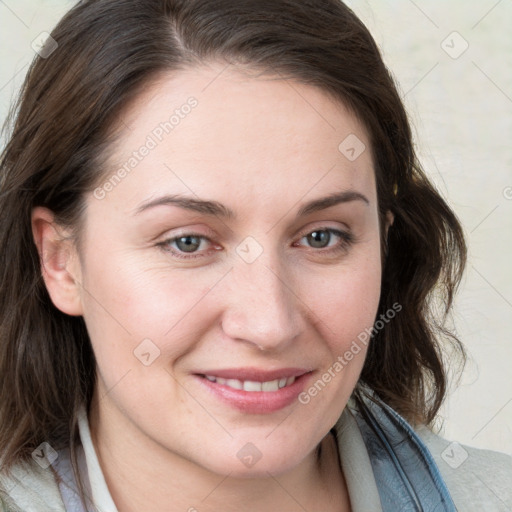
[[241, 241]]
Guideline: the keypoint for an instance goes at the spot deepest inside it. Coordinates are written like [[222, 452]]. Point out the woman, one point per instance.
[[218, 253]]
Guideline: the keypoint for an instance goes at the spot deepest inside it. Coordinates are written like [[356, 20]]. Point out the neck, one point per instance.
[[142, 475]]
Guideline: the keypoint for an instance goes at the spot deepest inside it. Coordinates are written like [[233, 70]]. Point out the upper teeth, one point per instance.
[[250, 385]]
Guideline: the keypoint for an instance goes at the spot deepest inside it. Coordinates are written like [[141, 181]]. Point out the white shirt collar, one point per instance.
[[100, 494]]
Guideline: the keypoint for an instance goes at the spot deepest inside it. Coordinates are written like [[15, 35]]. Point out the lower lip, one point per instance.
[[257, 402]]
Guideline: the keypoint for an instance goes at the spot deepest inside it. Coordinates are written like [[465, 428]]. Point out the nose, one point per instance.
[[261, 306]]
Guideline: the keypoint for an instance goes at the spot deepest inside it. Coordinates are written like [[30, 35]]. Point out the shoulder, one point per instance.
[[30, 487], [477, 479]]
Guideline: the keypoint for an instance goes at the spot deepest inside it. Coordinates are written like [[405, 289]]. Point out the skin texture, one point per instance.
[[263, 148]]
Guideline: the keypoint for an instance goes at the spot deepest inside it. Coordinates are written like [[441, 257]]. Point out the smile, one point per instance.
[[272, 392], [250, 385]]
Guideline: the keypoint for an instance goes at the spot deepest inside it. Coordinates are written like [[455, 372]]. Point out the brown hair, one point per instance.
[[108, 50]]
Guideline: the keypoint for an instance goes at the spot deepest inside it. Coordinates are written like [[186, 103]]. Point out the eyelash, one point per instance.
[[346, 241]]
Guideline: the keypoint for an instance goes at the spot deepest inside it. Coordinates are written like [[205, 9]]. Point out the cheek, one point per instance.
[[347, 301], [125, 308], [346, 305]]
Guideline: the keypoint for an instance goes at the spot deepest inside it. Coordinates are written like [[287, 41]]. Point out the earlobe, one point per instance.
[[60, 267]]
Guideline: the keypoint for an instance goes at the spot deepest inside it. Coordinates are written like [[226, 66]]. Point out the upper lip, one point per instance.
[[255, 374]]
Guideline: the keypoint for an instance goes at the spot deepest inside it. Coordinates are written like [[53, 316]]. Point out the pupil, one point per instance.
[[188, 243], [319, 238]]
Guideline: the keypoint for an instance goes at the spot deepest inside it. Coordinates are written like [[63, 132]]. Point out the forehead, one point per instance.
[[207, 129]]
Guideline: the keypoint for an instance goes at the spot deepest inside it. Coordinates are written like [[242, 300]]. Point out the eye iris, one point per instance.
[[188, 243], [319, 239]]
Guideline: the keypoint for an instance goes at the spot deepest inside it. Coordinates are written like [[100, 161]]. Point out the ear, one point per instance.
[[60, 267]]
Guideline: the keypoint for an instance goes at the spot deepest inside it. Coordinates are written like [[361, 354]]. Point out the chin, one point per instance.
[[249, 461]]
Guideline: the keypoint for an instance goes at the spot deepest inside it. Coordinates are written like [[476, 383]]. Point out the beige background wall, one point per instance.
[[452, 62]]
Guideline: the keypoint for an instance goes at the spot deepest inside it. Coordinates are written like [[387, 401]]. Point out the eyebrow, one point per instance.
[[214, 208]]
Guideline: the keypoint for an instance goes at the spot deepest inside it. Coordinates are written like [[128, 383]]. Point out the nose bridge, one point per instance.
[[261, 307]]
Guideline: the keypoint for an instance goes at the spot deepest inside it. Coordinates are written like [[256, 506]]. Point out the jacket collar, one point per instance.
[[405, 472]]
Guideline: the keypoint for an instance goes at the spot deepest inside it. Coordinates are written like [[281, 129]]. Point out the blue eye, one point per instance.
[[319, 239], [184, 246], [322, 238], [188, 243]]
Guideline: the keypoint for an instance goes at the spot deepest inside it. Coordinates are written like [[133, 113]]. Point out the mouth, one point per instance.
[[255, 392], [252, 386]]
